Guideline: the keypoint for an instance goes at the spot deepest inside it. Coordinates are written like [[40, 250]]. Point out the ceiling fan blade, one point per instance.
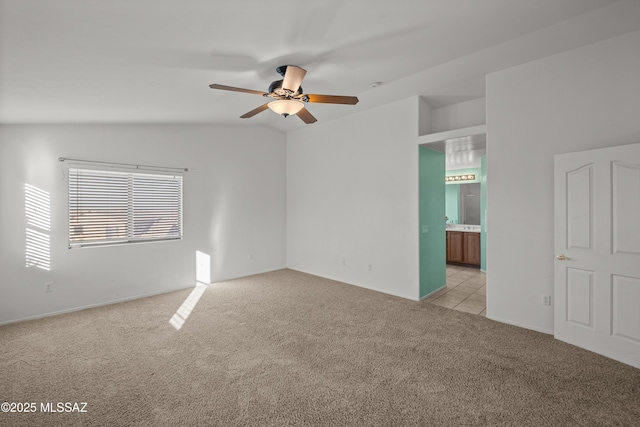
[[236, 89], [306, 116], [332, 99], [293, 78], [255, 111]]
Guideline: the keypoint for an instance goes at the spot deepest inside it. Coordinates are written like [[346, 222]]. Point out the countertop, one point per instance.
[[463, 227]]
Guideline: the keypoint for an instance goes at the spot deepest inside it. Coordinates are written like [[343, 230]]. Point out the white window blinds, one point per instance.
[[107, 207]]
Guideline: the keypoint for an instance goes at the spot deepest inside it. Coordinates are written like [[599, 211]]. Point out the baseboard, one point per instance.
[[433, 292], [353, 284], [520, 325], [116, 301], [85, 307]]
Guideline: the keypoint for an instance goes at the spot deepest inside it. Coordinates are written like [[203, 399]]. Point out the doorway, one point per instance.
[[465, 161]]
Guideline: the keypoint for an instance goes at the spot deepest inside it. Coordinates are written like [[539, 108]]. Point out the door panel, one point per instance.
[[597, 244], [580, 297], [626, 210], [625, 308], [472, 248], [456, 246], [579, 207]]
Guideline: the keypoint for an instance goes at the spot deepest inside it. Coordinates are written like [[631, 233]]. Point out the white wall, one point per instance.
[[457, 116], [352, 194], [582, 99], [234, 205]]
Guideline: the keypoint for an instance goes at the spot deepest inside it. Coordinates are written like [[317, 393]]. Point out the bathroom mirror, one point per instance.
[[462, 200], [470, 203]]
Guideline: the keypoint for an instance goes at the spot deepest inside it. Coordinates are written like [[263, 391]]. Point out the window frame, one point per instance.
[[139, 208]]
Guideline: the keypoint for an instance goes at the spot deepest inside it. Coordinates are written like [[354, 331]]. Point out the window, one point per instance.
[[107, 207]]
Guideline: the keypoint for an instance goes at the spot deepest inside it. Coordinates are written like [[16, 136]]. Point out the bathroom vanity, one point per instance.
[[463, 244]]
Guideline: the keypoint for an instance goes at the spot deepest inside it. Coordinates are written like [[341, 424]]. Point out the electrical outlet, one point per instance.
[[546, 299], [370, 267], [48, 286]]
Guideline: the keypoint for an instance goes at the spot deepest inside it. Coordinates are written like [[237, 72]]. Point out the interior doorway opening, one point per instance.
[[465, 212]]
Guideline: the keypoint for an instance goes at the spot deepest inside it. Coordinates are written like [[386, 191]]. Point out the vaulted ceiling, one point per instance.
[[151, 61]]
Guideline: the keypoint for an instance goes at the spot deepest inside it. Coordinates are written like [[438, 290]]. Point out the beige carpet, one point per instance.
[[286, 348]]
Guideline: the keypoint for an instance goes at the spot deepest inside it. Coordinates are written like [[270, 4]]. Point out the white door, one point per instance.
[[597, 250]]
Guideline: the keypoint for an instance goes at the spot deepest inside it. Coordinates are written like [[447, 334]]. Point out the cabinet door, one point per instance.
[[448, 246], [455, 246], [472, 248]]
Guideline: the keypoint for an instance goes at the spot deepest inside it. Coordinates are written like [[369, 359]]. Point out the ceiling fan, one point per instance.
[[288, 95]]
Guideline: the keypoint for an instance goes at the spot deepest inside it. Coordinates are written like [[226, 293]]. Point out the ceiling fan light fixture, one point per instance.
[[286, 107], [288, 96]]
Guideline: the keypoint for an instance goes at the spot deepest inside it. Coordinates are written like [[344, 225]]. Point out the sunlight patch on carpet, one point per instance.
[[187, 306]]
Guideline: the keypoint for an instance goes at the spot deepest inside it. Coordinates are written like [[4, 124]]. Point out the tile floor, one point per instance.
[[465, 291]]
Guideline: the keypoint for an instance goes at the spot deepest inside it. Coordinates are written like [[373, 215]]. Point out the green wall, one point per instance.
[[433, 273]]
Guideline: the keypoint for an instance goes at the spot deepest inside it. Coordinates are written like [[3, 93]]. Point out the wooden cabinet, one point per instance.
[[455, 246], [463, 248], [471, 248]]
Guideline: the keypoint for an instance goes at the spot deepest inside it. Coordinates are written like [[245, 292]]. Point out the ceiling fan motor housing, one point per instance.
[[275, 88], [282, 70]]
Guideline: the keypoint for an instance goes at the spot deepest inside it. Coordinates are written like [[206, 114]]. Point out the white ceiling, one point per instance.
[[151, 61]]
